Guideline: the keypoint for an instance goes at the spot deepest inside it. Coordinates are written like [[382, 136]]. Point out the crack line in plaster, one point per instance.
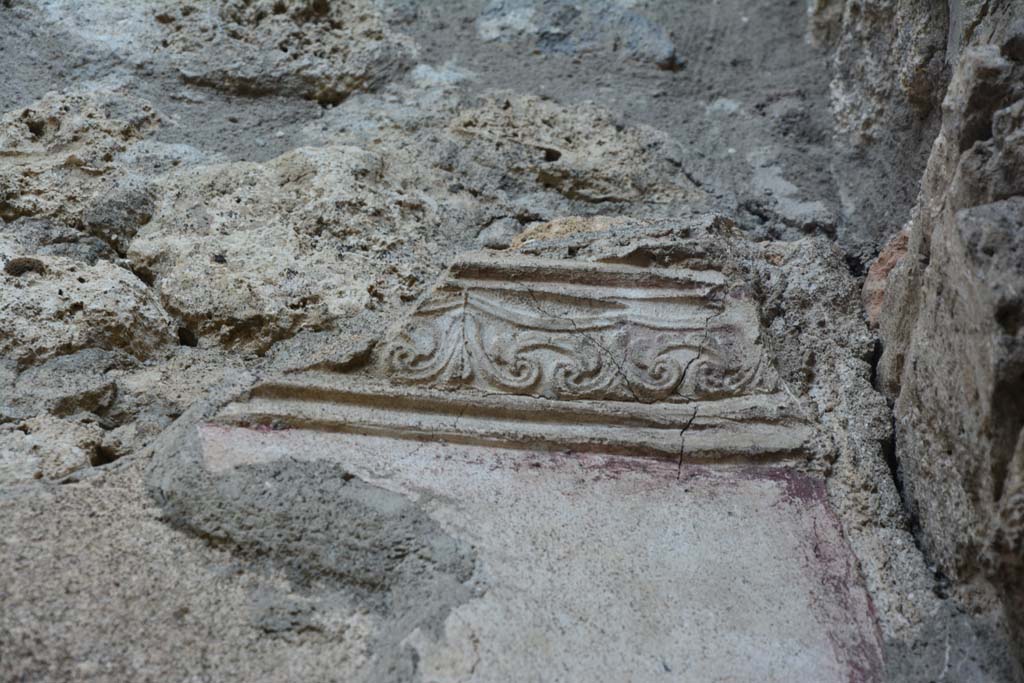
[[618, 367], [682, 440]]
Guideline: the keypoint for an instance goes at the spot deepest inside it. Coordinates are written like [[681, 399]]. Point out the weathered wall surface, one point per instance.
[[891, 62], [951, 323], [193, 193], [950, 318], [888, 72]]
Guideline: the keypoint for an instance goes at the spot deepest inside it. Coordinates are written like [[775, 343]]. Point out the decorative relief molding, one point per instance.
[[560, 330], [527, 352]]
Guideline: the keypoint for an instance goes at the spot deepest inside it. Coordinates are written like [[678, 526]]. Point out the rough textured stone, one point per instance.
[[891, 65], [316, 236], [570, 28], [270, 249], [583, 154], [61, 151], [889, 76], [878, 274], [51, 306], [318, 50], [325, 350], [947, 361], [81, 382], [953, 345], [44, 237], [46, 447]]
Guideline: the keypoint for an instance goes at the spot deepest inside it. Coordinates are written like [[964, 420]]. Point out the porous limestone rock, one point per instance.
[[583, 153], [871, 96], [66, 385], [45, 237], [314, 49], [245, 254], [51, 305], [47, 447], [502, 155], [951, 323], [318, 235], [60, 163]]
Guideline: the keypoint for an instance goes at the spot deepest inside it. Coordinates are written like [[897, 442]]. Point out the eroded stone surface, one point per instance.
[[47, 447], [583, 154], [53, 305], [954, 342], [60, 162], [318, 50]]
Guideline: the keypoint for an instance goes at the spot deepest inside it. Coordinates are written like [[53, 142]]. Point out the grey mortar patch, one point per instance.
[[336, 537]]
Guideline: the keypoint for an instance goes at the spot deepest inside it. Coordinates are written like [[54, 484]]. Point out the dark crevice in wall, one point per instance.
[[889, 453]]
